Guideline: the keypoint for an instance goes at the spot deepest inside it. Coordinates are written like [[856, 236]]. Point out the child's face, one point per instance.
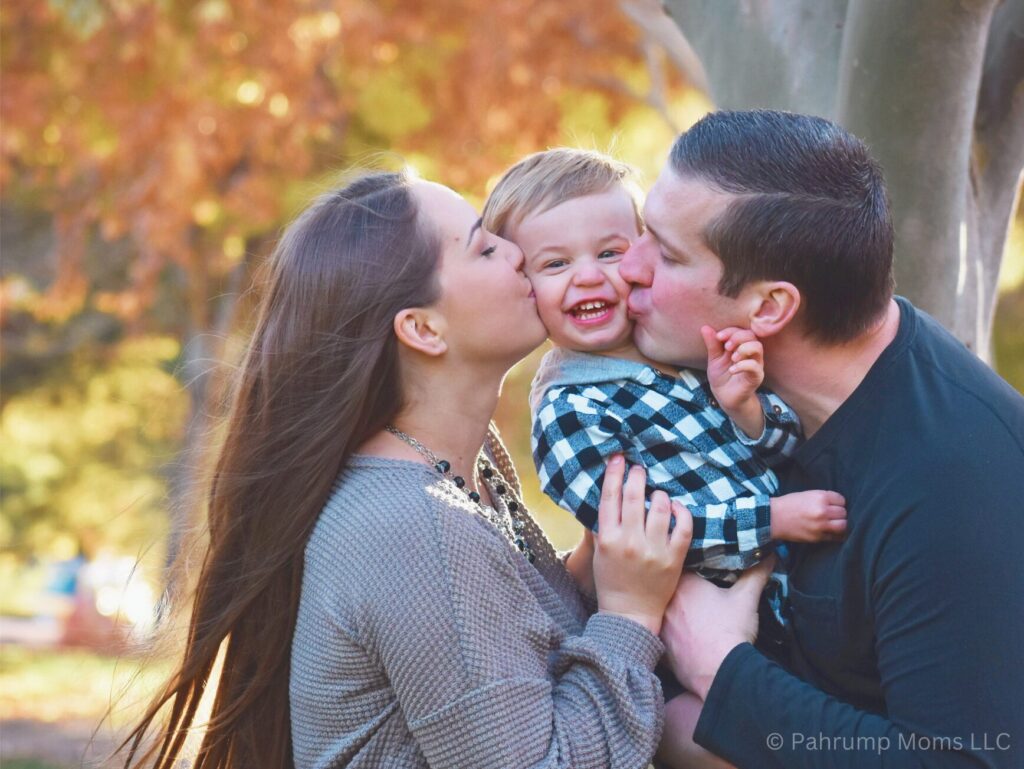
[[572, 259]]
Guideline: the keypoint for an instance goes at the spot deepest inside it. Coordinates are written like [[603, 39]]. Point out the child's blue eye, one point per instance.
[[554, 264], [608, 254], [488, 251]]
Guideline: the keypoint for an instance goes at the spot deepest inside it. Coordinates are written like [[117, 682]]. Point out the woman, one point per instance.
[[385, 598]]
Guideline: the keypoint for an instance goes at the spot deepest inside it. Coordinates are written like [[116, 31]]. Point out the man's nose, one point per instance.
[[635, 266]]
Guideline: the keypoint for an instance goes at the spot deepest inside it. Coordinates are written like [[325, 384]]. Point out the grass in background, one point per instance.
[[63, 684]]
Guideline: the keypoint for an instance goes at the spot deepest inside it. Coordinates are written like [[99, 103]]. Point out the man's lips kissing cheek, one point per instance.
[[639, 302]]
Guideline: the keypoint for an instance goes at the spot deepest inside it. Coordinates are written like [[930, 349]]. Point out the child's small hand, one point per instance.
[[735, 364], [735, 371], [809, 516]]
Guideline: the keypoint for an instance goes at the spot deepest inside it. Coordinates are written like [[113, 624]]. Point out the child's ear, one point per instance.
[[421, 329], [777, 305]]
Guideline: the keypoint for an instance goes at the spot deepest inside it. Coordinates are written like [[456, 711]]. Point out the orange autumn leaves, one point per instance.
[[191, 131]]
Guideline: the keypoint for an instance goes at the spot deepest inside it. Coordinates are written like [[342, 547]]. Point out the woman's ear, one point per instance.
[[421, 329], [779, 302]]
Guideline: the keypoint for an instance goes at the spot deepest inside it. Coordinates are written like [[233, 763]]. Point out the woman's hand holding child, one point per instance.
[[637, 562]]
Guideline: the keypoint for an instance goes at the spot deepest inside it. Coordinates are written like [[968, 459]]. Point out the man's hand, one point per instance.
[[704, 622], [735, 371]]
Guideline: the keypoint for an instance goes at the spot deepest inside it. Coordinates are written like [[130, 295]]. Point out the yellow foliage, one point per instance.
[[1011, 275], [84, 451]]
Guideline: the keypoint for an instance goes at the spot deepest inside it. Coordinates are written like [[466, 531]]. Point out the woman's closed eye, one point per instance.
[[488, 251]]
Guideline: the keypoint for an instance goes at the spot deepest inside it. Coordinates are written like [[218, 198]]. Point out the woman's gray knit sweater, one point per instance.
[[424, 638]]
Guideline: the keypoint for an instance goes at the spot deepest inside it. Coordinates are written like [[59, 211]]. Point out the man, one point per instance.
[[905, 638]]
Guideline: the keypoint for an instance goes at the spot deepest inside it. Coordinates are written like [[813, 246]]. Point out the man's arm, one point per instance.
[[948, 617]]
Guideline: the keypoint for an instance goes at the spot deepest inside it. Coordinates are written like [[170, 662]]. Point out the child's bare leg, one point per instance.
[[677, 749]]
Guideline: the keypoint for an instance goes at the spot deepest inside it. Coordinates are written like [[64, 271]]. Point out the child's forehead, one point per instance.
[[615, 200]]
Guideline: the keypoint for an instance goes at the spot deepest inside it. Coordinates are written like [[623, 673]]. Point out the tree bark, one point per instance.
[[997, 157], [908, 85], [936, 89], [774, 54]]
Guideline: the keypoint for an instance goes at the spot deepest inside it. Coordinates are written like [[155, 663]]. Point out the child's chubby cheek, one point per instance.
[[549, 306]]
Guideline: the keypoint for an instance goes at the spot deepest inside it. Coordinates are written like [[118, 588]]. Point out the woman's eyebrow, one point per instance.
[[472, 230]]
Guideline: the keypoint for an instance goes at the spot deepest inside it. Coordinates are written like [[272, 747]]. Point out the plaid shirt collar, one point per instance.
[[561, 367]]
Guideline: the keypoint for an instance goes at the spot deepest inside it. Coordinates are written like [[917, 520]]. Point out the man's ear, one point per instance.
[[777, 306], [421, 329]]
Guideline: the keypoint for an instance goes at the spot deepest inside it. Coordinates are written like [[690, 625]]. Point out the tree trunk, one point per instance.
[[935, 89], [908, 85], [775, 54]]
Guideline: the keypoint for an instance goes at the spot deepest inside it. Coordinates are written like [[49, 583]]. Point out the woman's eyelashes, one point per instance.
[[488, 251]]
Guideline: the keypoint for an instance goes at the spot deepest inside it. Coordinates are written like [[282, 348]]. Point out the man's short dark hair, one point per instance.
[[811, 209]]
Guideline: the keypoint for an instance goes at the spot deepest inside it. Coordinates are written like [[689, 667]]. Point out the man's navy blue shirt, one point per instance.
[[907, 644]]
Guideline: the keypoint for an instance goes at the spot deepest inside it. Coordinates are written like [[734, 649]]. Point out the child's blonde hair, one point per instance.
[[541, 181]]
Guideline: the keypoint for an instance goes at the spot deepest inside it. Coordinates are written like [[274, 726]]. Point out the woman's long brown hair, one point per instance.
[[319, 377]]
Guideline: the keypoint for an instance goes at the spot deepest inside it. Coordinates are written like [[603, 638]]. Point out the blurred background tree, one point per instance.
[[935, 87], [152, 151]]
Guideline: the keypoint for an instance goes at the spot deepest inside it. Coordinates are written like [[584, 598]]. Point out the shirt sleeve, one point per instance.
[[948, 621], [573, 436], [483, 677], [729, 536], [781, 435]]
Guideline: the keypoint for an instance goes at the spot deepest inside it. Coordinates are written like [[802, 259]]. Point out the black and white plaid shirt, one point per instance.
[[587, 407]]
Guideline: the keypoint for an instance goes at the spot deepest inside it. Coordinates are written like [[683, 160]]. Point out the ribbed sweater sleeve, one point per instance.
[[481, 673]]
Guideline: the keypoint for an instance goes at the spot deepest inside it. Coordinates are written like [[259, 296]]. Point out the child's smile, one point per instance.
[[572, 253]]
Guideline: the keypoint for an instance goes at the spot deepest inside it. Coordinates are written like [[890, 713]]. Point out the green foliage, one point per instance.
[[1008, 338], [1008, 329], [29, 763], [84, 448]]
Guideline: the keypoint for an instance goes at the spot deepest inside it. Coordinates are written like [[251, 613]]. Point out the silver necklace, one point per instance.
[[506, 518]]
